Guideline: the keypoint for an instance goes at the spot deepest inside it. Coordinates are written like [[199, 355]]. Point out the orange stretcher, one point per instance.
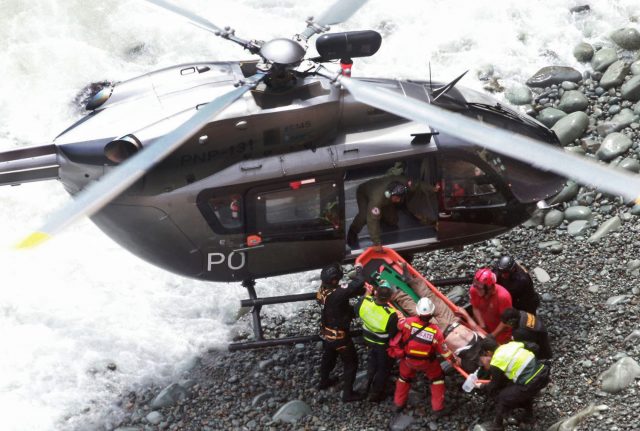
[[390, 266]]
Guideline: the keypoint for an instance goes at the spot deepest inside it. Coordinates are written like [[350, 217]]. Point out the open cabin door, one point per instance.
[[299, 224], [472, 201]]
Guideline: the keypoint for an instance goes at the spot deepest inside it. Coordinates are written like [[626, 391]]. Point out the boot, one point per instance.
[[376, 397], [326, 384], [352, 239], [398, 409], [437, 414], [348, 397]]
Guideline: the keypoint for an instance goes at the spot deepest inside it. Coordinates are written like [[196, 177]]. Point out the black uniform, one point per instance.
[[520, 285], [530, 329], [509, 395], [379, 363], [336, 318]]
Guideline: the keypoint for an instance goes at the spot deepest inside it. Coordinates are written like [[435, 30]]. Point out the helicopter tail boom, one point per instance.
[[37, 163]]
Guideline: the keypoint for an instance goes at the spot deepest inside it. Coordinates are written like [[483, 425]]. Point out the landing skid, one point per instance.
[[256, 303]]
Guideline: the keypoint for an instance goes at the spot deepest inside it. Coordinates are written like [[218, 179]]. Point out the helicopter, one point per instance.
[[238, 170]]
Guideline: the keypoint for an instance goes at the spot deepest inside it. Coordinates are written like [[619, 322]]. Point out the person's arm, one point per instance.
[[392, 325], [497, 382], [478, 318], [499, 329], [462, 313]]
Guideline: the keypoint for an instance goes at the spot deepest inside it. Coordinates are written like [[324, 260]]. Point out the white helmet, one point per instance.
[[425, 307]]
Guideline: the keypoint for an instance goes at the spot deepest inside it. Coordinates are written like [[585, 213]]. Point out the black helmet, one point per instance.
[[384, 292], [396, 188], [331, 272], [506, 263]]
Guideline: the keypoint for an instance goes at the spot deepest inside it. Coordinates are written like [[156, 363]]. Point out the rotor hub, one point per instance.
[[282, 51]]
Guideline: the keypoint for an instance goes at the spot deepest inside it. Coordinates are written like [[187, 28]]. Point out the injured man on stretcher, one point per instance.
[[461, 333]]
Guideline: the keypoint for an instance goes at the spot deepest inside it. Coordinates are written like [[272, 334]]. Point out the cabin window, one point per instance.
[[301, 206], [466, 185], [228, 212]]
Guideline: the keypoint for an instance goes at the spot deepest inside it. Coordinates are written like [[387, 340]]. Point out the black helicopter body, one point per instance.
[[232, 171], [308, 145]]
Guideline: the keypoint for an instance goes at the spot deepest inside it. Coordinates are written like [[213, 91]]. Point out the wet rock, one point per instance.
[[154, 417], [613, 145], [620, 375], [580, 9], [571, 127], [550, 75], [635, 68], [609, 226], [518, 95], [261, 398], [614, 76], [577, 212], [169, 396], [626, 38], [485, 72], [553, 218], [401, 422], [583, 52], [619, 121], [632, 265], [633, 337], [577, 227], [571, 423], [292, 411], [541, 275], [635, 210], [630, 90], [572, 101], [616, 300], [630, 164], [550, 116], [603, 59], [566, 194]]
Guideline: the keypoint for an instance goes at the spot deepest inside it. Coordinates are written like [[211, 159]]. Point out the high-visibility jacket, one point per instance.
[[376, 319], [513, 359]]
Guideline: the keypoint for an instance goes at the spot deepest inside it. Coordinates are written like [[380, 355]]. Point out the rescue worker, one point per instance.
[[489, 300], [513, 277], [336, 316], [380, 323], [377, 200], [422, 341], [527, 327], [516, 378]]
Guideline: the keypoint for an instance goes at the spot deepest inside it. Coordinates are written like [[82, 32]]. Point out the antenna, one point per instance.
[[430, 83]]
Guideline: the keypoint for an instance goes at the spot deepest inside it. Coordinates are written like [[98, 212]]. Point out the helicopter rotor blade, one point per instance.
[[100, 193], [531, 151], [205, 24], [339, 12]]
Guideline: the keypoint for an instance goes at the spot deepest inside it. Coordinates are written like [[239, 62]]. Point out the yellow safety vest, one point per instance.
[[375, 318], [512, 358]]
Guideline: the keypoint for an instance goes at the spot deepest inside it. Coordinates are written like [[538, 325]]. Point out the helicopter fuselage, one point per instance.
[[268, 186]]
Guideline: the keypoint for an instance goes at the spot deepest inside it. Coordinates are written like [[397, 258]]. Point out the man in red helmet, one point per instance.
[[489, 300]]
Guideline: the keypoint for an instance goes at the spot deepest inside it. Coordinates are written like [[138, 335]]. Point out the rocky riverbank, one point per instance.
[[584, 253]]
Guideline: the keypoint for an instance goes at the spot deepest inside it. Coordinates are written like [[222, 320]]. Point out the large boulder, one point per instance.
[[620, 375], [613, 145], [550, 116], [603, 59], [571, 127], [630, 90], [292, 411], [627, 38], [572, 101], [553, 75], [583, 52], [614, 76]]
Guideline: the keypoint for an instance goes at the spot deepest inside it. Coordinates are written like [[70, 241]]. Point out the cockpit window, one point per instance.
[[466, 185], [227, 211]]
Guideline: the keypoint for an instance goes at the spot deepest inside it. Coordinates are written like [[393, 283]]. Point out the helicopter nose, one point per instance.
[[119, 150]]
